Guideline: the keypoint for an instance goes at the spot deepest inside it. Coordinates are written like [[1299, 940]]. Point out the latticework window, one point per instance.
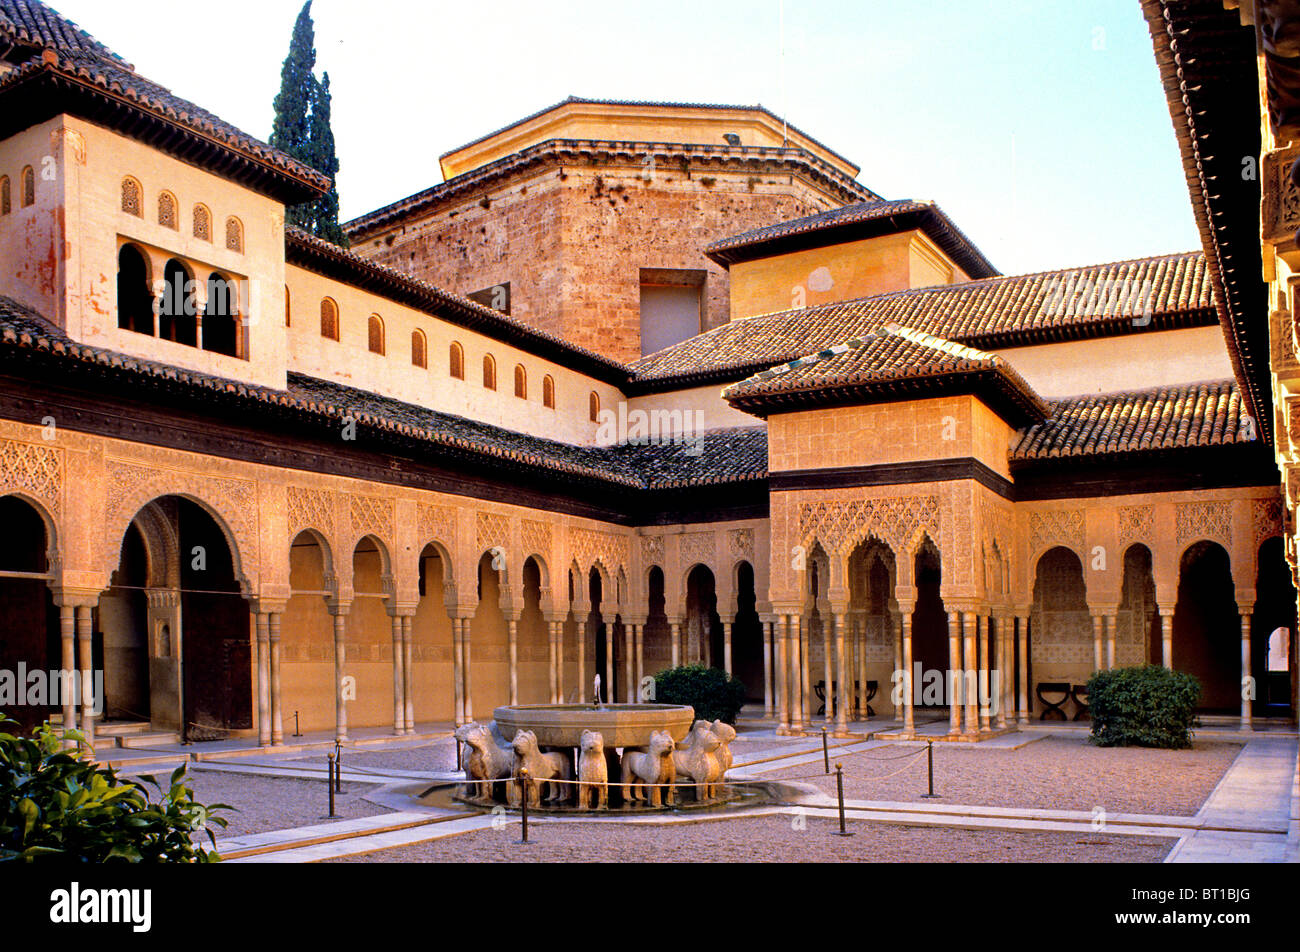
[[202, 223], [166, 210], [29, 187], [419, 349], [234, 235], [376, 334], [131, 197], [329, 319], [6, 200]]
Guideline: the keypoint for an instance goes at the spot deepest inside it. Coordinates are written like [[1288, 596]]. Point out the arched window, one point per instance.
[[288, 312], [134, 299], [376, 330], [329, 319], [234, 235], [131, 203], [489, 372], [29, 187], [548, 392], [177, 312], [167, 210], [593, 405], [456, 357], [202, 223], [521, 382], [221, 331], [419, 349], [6, 200]]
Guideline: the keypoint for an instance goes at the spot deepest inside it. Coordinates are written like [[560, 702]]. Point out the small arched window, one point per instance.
[[29, 187], [376, 333], [521, 382], [489, 372], [419, 349], [202, 223], [6, 200], [167, 210], [221, 326], [548, 392], [456, 358], [134, 298], [288, 312], [329, 319], [234, 235], [131, 203], [178, 312], [593, 406]]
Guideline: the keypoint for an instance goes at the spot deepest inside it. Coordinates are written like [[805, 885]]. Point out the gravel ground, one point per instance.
[[440, 756], [276, 803], [1056, 772], [771, 839]]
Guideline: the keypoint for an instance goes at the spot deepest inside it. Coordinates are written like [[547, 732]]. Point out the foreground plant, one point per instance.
[[1146, 706], [58, 804], [715, 695]]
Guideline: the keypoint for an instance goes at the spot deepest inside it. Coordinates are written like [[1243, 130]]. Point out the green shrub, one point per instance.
[[715, 695], [1147, 706], [57, 805]]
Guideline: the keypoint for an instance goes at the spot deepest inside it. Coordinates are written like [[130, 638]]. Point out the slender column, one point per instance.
[[638, 633], [277, 700], [68, 634], [1098, 634], [828, 666], [726, 645], [1167, 636], [677, 642], [971, 697], [805, 673], [1110, 622], [767, 667], [263, 679], [909, 689], [629, 661], [408, 676], [559, 662], [583, 684], [985, 677], [458, 670], [469, 669], [782, 672], [513, 632], [1004, 665], [845, 675], [399, 681], [798, 674], [1245, 669], [340, 702], [1022, 623], [553, 634], [86, 653], [954, 673], [861, 643], [608, 686]]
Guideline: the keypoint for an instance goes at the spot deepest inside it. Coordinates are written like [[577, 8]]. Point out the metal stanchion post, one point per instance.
[[523, 801], [338, 767], [296, 731], [929, 756], [839, 785], [330, 784], [826, 751]]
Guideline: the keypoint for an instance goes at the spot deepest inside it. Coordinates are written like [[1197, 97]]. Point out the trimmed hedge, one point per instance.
[[1147, 706], [715, 695]]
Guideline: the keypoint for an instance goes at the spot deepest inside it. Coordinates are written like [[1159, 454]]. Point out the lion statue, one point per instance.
[[647, 772], [725, 734], [593, 772], [697, 758], [541, 769], [486, 760]]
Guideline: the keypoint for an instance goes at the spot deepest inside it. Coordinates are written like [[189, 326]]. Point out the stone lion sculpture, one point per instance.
[[593, 772], [649, 771], [541, 768], [697, 758], [486, 760], [726, 734]]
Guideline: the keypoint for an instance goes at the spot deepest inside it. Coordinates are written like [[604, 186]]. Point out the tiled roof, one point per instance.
[[314, 254], [863, 219], [1163, 418], [72, 61], [890, 362], [1106, 299], [721, 456]]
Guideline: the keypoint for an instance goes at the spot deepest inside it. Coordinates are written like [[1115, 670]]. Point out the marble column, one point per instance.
[[512, 634], [1004, 665], [828, 666], [68, 637], [727, 627], [767, 667], [805, 673], [465, 640], [607, 687], [1110, 622], [629, 661], [677, 642], [458, 670], [263, 679], [1022, 626], [1246, 677], [798, 675], [970, 683], [985, 672], [399, 678], [86, 653], [1098, 636], [843, 674], [860, 641], [340, 702], [553, 632], [955, 681], [638, 633], [583, 684], [408, 675], [909, 689], [1167, 636], [782, 671], [277, 696]]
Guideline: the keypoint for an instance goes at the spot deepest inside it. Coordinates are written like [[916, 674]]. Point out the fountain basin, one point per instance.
[[621, 725]]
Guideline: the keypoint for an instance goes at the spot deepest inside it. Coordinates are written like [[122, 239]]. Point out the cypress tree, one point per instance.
[[325, 159]]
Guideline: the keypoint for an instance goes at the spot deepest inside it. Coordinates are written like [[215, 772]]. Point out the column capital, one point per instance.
[[65, 596], [268, 606], [338, 606], [402, 609]]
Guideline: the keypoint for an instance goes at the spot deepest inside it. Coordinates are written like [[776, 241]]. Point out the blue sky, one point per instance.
[[1040, 126]]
